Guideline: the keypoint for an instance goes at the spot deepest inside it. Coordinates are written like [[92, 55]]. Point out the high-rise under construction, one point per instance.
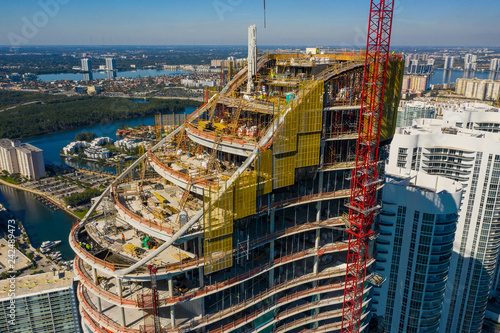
[[236, 219]]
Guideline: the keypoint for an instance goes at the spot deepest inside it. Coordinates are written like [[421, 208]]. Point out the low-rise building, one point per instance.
[[97, 152], [75, 146], [42, 303]]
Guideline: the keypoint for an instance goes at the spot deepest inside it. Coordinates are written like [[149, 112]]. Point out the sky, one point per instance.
[[225, 22]]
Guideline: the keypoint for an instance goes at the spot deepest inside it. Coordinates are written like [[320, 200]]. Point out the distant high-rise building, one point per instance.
[[42, 303], [110, 75], [417, 228], [408, 58], [479, 89], [472, 158], [110, 64], [86, 65], [449, 62], [88, 77], [495, 65], [414, 110], [414, 66], [429, 68], [470, 62]]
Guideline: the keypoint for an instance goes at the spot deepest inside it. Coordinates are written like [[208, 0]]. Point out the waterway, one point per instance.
[[449, 76], [53, 143], [104, 75], [41, 222]]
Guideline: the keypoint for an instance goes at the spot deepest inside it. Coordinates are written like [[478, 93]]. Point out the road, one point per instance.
[[15, 106]]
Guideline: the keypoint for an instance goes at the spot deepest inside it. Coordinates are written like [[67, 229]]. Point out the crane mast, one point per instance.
[[365, 179]]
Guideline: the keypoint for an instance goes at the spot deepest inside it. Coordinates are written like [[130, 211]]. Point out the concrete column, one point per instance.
[[316, 246], [99, 305], [119, 287], [96, 279], [200, 246], [170, 287], [122, 312], [172, 315], [94, 274], [201, 276], [252, 56], [271, 250]]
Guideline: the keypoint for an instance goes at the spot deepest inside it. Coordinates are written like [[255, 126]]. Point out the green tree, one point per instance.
[[85, 136]]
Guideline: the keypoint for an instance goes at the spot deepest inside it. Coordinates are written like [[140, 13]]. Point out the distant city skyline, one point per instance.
[[225, 22]]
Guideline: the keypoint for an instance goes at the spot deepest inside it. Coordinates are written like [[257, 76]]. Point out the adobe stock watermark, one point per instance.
[[31, 27], [223, 6]]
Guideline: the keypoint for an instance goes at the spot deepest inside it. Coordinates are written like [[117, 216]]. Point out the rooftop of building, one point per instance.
[[422, 180], [27, 148], [37, 284], [21, 261], [6, 143], [440, 126]]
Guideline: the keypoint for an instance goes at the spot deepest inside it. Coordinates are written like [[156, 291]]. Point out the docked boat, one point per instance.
[[47, 245]]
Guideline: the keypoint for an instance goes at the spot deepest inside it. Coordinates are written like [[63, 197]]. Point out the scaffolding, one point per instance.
[[218, 226], [245, 195], [264, 166]]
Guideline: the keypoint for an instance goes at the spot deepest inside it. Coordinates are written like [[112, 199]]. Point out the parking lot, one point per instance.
[[62, 186]]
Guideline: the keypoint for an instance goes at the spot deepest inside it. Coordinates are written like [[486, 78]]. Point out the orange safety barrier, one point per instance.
[[104, 294], [334, 194], [301, 308], [180, 175], [285, 299], [83, 296], [254, 272], [142, 220], [214, 136], [95, 326], [83, 253]]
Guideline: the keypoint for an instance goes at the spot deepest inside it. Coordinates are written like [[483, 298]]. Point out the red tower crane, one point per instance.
[[154, 294], [365, 179]]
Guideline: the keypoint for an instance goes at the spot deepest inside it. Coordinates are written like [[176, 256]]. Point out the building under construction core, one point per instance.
[[235, 220]]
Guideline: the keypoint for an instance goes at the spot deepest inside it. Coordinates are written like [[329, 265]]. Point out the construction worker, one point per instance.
[[123, 238]]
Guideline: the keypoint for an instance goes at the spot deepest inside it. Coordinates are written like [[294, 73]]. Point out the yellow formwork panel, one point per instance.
[[285, 140], [218, 229], [308, 150], [218, 254], [284, 170], [245, 195], [394, 81], [212, 91], [265, 168], [311, 107]]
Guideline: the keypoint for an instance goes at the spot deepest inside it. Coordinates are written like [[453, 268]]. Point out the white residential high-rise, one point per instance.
[[86, 65], [30, 159], [23, 158], [417, 228], [495, 65], [470, 62], [8, 155], [478, 89], [449, 62], [472, 158], [110, 64]]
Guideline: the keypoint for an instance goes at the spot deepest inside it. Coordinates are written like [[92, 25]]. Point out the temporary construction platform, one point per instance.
[[240, 211]]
